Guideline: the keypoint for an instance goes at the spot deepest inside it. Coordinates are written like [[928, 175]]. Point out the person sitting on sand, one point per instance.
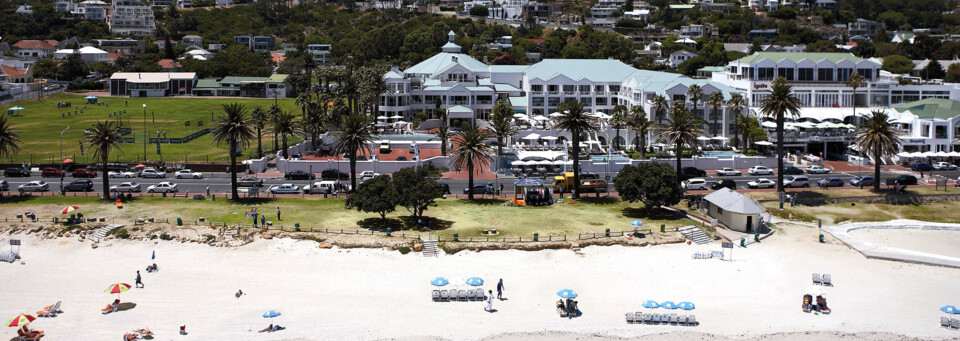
[[239, 293], [560, 305], [267, 329], [152, 268], [116, 303], [31, 334]]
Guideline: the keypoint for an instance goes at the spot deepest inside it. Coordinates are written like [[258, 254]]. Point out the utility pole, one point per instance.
[[145, 135], [61, 156]]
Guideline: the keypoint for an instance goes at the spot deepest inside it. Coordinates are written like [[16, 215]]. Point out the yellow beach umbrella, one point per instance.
[[69, 209], [20, 320], [118, 288]]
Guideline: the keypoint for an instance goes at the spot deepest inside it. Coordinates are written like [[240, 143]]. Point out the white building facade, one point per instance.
[[130, 17]]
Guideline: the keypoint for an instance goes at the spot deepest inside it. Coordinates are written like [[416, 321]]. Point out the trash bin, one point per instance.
[[164, 193], [536, 237], [756, 237], [179, 221], [743, 242], [389, 230], [607, 232], [296, 226], [821, 237], [663, 228], [456, 237]]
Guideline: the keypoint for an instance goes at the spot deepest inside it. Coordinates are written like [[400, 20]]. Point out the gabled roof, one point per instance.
[[732, 201], [36, 44], [277, 78], [459, 109], [12, 71], [799, 56], [238, 79], [392, 75], [168, 64], [597, 70], [508, 68], [937, 108], [207, 84], [520, 101], [443, 59]]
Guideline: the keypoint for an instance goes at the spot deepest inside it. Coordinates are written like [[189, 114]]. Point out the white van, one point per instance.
[[321, 187]]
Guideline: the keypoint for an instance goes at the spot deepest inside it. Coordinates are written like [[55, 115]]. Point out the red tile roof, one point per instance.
[[278, 57], [538, 41], [169, 64], [36, 44], [114, 56], [13, 72]]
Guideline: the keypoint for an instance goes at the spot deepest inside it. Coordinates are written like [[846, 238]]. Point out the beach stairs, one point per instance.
[[430, 248], [576, 249], [695, 234], [101, 233]]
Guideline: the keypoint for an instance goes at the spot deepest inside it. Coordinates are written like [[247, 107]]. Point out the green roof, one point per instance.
[[207, 84], [443, 60], [937, 108], [520, 101], [798, 56], [712, 69], [277, 78], [596, 70], [238, 79], [459, 109]]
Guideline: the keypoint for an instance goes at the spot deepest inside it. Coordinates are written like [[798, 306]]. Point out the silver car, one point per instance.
[[34, 186], [126, 187]]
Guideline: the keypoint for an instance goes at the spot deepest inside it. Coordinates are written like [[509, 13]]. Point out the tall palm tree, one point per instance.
[[354, 137], [285, 124], [443, 132], [9, 138], [471, 152], [878, 139], [309, 65], [501, 125], [273, 113], [233, 128], [258, 118], [660, 107], [779, 103], [735, 105], [715, 100], [312, 123], [641, 126], [103, 137], [618, 119], [373, 86], [682, 128], [855, 81], [578, 123], [695, 95], [742, 123]]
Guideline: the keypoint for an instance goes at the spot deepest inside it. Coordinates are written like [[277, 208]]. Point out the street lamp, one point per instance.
[[145, 135], [61, 155]]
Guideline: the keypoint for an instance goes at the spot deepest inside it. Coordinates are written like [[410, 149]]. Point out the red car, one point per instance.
[[84, 173], [51, 172]]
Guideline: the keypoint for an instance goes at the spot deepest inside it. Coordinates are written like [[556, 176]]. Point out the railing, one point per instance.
[[537, 92]]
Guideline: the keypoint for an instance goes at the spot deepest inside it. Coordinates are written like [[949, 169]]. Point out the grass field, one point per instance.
[[41, 123], [448, 217], [831, 213]]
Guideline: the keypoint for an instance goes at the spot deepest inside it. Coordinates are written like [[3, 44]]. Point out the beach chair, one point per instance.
[[436, 295], [471, 295], [24, 337], [638, 317], [816, 279], [827, 280], [50, 310], [630, 318], [130, 337], [692, 320], [944, 322], [647, 318], [110, 309], [954, 324], [655, 319], [463, 295], [444, 296], [481, 295], [674, 319], [561, 310]]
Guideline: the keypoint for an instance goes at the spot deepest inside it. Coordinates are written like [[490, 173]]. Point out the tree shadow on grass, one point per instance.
[[252, 201], [483, 201], [429, 223], [377, 224], [655, 214], [600, 200]]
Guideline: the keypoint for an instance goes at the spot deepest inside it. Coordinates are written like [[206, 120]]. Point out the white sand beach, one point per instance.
[[364, 294]]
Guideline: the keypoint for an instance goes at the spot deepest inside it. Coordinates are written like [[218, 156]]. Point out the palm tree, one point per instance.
[[855, 81], [443, 132], [577, 123], [284, 124], [273, 112], [660, 107], [309, 65], [641, 126], [716, 101], [233, 128], [471, 152], [618, 119], [102, 138], [258, 118], [695, 94], [682, 128], [779, 103], [9, 138], [878, 139], [735, 105], [373, 86], [742, 123], [502, 128], [354, 136]]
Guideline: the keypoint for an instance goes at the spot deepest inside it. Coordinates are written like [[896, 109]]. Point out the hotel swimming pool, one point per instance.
[[722, 154], [413, 137]]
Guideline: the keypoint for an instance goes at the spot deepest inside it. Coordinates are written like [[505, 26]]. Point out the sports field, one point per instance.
[[41, 122]]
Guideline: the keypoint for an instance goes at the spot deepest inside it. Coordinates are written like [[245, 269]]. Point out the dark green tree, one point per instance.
[[655, 184], [377, 195], [417, 189]]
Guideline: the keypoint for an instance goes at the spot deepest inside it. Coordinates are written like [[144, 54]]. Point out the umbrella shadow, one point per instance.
[[126, 306]]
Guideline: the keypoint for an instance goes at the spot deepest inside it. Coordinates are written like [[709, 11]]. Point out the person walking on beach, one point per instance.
[[489, 307], [500, 289], [139, 282], [263, 220], [278, 214]]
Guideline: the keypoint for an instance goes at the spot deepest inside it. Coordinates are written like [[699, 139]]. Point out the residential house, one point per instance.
[[320, 52], [162, 44], [679, 57], [170, 65], [92, 10], [863, 27], [903, 37], [638, 15], [131, 17], [274, 86], [734, 210], [256, 43], [16, 75], [24, 10], [17, 62], [198, 53], [88, 54], [830, 5], [541, 11], [124, 47], [695, 31], [64, 5], [37, 49], [192, 41], [686, 41], [769, 33], [929, 125]]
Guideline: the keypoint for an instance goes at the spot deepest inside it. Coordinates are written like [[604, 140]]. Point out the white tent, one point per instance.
[[942, 154], [540, 118], [532, 136], [551, 138], [768, 124], [954, 154], [521, 116], [382, 118], [544, 163], [518, 163], [703, 138], [556, 114], [558, 162], [763, 143], [721, 138], [396, 117]]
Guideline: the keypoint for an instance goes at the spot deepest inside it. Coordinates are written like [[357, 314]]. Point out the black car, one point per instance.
[[479, 189], [791, 170], [299, 175], [921, 167], [333, 174], [692, 172], [16, 172], [250, 181], [724, 184], [83, 185], [906, 180], [446, 188]]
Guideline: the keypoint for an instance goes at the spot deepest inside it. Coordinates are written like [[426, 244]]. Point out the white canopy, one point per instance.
[[703, 138], [556, 114], [954, 154], [769, 124], [544, 162], [518, 163], [396, 117], [382, 118], [929, 154], [532, 136], [540, 118], [551, 138], [558, 162], [763, 143], [942, 154], [539, 155], [521, 116], [721, 138]]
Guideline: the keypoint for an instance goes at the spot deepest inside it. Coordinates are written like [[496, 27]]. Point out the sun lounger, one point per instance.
[[463, 295], [481, 295], [655, 319], [145, 332], [25, 337], [130, 337], [954, 324], [49, 311], [944, 322], [647, 318], [827, 280], [630, 318], [638, 317], [109, 309], [562, 311], [471, 295], [816, 279], [683, 320], [443, 295], [674, 319], [436, 295], [692, 320]]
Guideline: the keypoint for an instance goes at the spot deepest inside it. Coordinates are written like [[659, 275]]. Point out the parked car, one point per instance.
[[121, 174], [285, 189], [84, 173], [126, 187], [817, 170], [866, 180], [724, 184], [333, 174], [367, 175], [299, 175], [695, 184], [692, 172], [152, 173], [4, 185], [726, 171], [830, 182], [188, 174], [446, 188], [791, 170], [79, 185], [796, 181], [944, 166], [479, 189], [51, 172], [325, 186], [906, 180], [921, 167], [759, 170], [250, 181], [163, 187], [16, 172], [34, 186], [762, 183]]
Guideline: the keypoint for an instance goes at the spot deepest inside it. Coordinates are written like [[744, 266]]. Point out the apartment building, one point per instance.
[[320, 52], [124, 47], [131, 17]]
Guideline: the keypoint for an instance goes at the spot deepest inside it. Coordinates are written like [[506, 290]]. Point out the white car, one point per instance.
[[796, 181], [189, 174], [817, 170], [695, 184], [367, 175], [121, 174], [34, 186], [152, 173], [762, 183], [727, 172], [285, 189], [759, 170], [126, 187], [944, 166], [163, 187]]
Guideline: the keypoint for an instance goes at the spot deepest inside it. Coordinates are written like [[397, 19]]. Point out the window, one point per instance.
[[552, 88], [598, 88], [554, 101], [843, 75], [568, 88], [866, 73], [536, 87], [584, 88], [805, 74], [785, 73], [587, 101], [679, 98], [825, 74], [925, 130], [614, 88], [601, 101], [537, 101], [765, 73]]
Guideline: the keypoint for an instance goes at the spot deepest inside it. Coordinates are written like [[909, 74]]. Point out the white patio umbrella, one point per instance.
[[545, 162], [916, 154], [519, 163], [558, 162], [532, 136], [521, 116], [720, 138], [768, 124], [942, 154], [954, 154], [556, 114], [551, 138], [929, 154], [763, 143], [703, 138], [382, 118], [540, 118], [396, 117], [904, 154]]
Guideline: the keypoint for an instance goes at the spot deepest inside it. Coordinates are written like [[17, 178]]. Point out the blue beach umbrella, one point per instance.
[[636, 223], [475, 281], [949, 309], [439, 282], [567, 293], [668, 305], [271, 314], [651, 304], [686, 306], [153, 255]]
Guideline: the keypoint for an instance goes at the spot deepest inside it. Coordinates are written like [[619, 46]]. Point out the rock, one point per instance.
[[325, 246], [94, 245], [417, 247], [267, 236], [67, 234]]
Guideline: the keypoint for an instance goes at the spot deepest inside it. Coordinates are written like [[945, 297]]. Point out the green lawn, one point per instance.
[[41, 123], [448, 217]]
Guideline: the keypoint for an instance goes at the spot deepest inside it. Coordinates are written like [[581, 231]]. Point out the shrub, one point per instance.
[[120, 233], [404, 250], [88, 85], [165, 236]]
